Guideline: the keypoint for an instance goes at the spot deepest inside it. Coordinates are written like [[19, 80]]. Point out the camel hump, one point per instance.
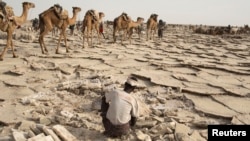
[[64, 14], [58, 8], [91, 12], [9, 11], [125, 17], [154, 17], [52, 8], [58, 11], [94, 14], [5, 10]]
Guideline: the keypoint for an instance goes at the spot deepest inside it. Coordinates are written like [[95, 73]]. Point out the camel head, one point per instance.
[[76, 9], [28, 5], [140, 19], [101, 15]]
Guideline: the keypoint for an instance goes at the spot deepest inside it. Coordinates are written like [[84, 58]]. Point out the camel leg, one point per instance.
[[83, 39], [58, 43], [147, 35], [139, 34], [13, 51], [124, 36], [150, 35], [98, 38], [88, 30], [91, 40], [114, 37], [41, 41], [130, 39], [153, 34], [41, 36], [45, 28], [7, 46], [98, 34], [63, 33], [83, 36], [65, 41], [130, 35]]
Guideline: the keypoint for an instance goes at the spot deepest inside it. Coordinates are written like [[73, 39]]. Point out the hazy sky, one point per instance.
[[209, 12]]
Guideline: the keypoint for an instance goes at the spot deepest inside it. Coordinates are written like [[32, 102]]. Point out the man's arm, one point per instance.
[[133, 121], [134, 112], [104, 106]]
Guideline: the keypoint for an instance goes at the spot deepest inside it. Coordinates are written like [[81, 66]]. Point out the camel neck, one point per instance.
[[73, 19], [100, 20], [21, 19]]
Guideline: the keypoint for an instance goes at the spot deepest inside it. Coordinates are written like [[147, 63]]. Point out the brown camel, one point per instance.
[[152, 25], [91, 20], [12, 25], [134, 25], [50, 19], [121, 23]]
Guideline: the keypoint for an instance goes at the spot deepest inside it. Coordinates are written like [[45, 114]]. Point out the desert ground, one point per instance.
[[188, 81]]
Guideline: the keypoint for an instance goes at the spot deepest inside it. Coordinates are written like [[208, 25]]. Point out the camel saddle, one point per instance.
[[125, 17], [62, 13], [6, 12], [92, 13], [59, 11], [154, 17]]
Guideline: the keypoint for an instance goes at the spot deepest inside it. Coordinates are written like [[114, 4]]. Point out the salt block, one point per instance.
[[37, 137], [35, 129], [63, 133], [19, 136], [31, 134], [50, 132], [45, 138]]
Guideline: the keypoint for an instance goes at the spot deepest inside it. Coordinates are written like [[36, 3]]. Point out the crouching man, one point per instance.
[[120, 110]]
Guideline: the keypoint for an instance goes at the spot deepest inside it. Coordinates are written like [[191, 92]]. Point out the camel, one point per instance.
[[152, 25], [135, 25], [91, 20], [12, 25], [121, 23], [50, 19]]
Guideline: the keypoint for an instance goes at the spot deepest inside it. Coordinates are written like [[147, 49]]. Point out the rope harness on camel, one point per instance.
[[6, 14]]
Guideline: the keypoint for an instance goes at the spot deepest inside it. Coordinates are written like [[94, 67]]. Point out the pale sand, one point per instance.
[[183, 75]]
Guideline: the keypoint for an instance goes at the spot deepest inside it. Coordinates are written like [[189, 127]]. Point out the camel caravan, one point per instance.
[[56, 18]]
